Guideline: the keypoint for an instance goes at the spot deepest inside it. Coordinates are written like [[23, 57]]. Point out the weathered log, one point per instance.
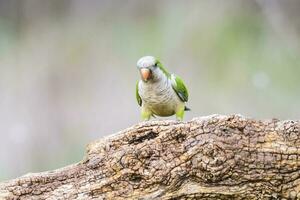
[[215, 157]]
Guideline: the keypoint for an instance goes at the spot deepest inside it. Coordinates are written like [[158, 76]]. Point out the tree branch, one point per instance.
[[214, 157]]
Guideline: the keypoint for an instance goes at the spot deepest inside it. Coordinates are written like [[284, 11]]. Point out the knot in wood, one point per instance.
[[212, 164]]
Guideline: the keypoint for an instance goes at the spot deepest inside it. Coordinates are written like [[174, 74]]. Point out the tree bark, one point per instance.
[[214, 157]]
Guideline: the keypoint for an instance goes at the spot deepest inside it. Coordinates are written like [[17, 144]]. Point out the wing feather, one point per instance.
[[137, 95], [179, 88]]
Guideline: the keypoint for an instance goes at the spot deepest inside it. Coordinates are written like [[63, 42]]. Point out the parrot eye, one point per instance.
[[155, 65]]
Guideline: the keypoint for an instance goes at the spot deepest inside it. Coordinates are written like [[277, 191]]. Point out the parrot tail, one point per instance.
[[187, 109]]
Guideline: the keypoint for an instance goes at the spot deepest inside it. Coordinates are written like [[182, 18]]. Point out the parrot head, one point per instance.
[[150, 68]]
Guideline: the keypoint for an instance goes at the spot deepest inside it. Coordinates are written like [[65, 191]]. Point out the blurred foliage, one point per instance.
[[67, 68]]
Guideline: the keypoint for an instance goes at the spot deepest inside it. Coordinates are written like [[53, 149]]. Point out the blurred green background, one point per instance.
[[68, 68]]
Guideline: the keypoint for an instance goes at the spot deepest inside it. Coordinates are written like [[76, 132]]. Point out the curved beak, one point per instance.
[[145, 73]]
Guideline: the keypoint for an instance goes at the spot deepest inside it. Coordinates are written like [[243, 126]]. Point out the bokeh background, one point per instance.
[[68, 68]]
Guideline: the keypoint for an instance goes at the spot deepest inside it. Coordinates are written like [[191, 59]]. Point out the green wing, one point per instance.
[[179, 88], [138, 98]]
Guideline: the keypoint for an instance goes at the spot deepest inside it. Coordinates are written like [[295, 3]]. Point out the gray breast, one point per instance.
[[156, 93], [159, 97]]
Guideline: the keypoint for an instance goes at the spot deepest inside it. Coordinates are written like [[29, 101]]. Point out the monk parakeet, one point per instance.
[[159, 93]]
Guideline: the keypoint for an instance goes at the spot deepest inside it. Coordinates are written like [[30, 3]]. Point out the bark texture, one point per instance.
[[214, 157]]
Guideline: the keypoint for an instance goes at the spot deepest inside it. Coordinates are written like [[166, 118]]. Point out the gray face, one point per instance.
[[146, 62], [147, 66]]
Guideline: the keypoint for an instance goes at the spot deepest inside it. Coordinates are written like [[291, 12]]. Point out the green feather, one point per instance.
[[179, 88], [137, 95], [161, 67], [177, 83]]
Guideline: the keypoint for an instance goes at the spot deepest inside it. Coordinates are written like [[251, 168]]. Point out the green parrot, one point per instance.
[[159, 93]]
